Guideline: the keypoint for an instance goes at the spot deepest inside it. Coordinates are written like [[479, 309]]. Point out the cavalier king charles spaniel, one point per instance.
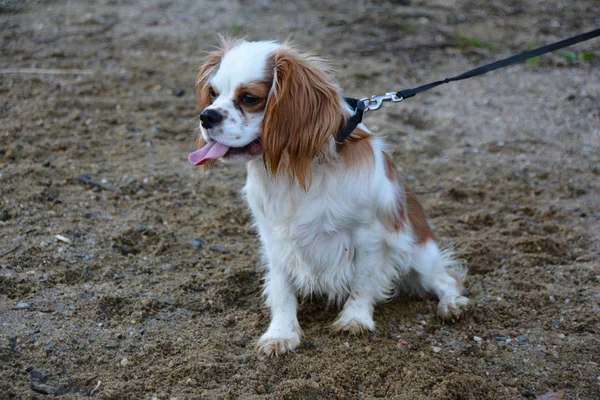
[[335, 219]]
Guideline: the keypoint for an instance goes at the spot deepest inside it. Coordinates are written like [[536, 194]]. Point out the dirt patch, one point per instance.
[[126, 273]]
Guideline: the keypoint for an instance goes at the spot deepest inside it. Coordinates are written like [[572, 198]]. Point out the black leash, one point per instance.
[[374, 102]]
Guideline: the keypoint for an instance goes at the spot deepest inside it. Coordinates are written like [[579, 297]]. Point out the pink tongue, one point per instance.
[[211, 151]]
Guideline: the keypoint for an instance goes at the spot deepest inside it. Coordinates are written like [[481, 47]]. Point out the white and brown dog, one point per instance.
[[335, 219]]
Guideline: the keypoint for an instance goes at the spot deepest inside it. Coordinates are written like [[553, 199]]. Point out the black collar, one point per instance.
[[359, 110]]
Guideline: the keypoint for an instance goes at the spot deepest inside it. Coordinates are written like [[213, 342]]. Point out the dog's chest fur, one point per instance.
[[317, 234]]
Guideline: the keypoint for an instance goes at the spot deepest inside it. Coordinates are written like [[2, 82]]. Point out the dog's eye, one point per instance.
[[213, 95], [249, 99]]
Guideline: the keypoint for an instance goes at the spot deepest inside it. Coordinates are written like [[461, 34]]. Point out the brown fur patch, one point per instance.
[[356, 150], [414, 211], [416, 215], [303, 114]]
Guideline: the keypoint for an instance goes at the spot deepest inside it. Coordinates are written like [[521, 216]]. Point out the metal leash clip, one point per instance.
[[374, 102]]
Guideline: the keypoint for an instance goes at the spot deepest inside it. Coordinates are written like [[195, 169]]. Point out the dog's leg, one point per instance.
[[284, 331], [370, 284], [438, 274]]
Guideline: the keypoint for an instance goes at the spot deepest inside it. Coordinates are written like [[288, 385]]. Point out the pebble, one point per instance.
[[556, 324], [522, 338], [191, 382], [197, 242], [436, 349], [23, 305], [4, 215], [368, 349], [500, 338], [260, 389], [477, 338], [111, 345], [229, 320], [63, 239], [124, 362]]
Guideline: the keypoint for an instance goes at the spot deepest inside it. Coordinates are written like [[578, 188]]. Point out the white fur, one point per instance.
[[244, 63], [334, 239]]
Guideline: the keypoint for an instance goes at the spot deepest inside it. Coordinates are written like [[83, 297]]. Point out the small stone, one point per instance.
[[500, 339], [191, 382], [521, 338], [556, 325], [124, 362], [308, 345], [260, 389], [477, 338], [23, 305], [368, 349], [172, 364], [178, 92], [229, 320], [436, 349], [4, 215], [146, 302], [111, 345], [63, 239], [219, 249], [197, 243]]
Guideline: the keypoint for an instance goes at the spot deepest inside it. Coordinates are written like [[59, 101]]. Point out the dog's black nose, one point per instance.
[[210, 118]]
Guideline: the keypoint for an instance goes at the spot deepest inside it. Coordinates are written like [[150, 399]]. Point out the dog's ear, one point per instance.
[[303, 115]]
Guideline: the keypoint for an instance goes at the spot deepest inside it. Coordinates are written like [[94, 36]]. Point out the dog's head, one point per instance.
[[264, 98]]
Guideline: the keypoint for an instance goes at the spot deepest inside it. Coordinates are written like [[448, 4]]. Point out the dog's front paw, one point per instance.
[[277, 346], [279, 339], [451, 308], [354, 324]]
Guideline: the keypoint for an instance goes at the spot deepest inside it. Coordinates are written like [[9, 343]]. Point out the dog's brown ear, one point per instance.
[[303, 114]]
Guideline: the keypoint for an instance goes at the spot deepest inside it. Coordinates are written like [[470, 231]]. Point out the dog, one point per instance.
[[334, 218]]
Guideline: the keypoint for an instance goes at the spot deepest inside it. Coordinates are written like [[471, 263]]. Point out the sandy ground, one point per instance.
[[155, 290]]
